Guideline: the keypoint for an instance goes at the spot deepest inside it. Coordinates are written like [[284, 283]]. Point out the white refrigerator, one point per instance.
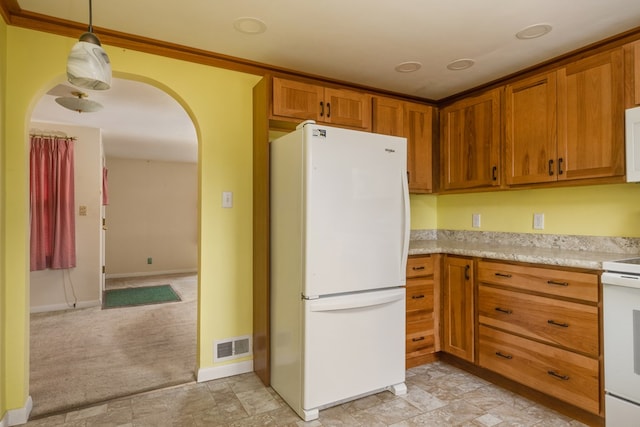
[[339, 246]]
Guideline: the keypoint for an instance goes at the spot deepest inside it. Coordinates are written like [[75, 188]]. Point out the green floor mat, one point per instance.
[[139, 296]]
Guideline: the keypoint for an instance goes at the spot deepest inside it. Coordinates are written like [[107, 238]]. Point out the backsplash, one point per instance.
[[622, 245]]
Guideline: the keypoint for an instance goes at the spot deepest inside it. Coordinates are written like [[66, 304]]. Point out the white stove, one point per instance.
[[621, 313]]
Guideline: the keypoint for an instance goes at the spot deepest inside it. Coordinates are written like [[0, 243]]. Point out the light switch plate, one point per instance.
[[227, 199], [538, 221]]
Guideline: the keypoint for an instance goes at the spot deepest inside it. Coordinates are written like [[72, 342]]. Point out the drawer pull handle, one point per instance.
[[417, 297], [553, 322], [558, 376], [503, 310], [504, 356], [503, 275], [418, 268], [553, 282], [418, 339]]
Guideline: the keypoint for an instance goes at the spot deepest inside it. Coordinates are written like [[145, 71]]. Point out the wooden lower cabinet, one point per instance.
[[422, 337], [458, 307], [569, 376], [541, 327]]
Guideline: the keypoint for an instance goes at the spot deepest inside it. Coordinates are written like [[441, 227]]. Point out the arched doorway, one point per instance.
[[81, 354]]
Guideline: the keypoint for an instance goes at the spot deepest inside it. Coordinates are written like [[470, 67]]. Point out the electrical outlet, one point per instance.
[[538, 221], [475, 220], [82, 210], [149, 260]]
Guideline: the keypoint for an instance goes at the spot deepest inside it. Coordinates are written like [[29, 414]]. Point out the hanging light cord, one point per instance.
[[90, 17]]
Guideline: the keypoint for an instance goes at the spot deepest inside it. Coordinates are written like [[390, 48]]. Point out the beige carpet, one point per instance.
[[84, 356]]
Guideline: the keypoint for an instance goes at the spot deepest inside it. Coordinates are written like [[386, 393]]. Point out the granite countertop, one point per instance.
[[588, 254]]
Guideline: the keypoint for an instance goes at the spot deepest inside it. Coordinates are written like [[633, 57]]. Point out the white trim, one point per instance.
[[209, 374], [149, 273], [19, 416], [64, 306], [3, 421]]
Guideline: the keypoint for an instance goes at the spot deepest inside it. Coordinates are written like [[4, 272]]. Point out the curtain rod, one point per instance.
[[52, 135]]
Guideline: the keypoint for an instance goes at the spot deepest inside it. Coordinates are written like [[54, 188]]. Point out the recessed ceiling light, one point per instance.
[[249, 25], [461, 64], [408, 67], [534, 31]]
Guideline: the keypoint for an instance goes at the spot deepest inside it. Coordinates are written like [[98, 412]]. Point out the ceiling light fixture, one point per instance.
[[88, 65], [408, 67], [461, 64], [79, 103], [249, 25], [534, 31]]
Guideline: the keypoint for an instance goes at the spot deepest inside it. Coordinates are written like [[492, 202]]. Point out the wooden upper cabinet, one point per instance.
[[591, 117], [530, 130], [305, 101], [415, 122], [388, 116], [632, 74], [470, 142], [419, 122]]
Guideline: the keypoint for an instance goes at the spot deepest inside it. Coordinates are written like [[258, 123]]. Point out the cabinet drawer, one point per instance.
[[418, 266], [420, 338], [567, 284], [568, 324], [420, 295], [568, 376]]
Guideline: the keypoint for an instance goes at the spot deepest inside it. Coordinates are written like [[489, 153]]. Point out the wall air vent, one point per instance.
[[231, 348]]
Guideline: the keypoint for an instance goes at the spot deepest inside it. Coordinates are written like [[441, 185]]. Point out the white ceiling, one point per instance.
[[361, 41]]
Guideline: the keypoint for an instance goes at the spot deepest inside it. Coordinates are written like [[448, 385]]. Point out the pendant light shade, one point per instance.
[[88, 65], [79, 102]]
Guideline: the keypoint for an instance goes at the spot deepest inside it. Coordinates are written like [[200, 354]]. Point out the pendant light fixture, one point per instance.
[[88, 65], [79, 102]]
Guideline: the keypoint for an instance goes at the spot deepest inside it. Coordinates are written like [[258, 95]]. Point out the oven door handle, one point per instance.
[[621, 279]]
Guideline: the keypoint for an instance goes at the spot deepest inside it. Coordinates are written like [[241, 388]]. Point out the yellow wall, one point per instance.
[[603, 210], [3, 249], [220, 103]]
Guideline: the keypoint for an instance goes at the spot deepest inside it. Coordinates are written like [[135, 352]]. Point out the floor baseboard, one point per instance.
[[18, 416], [216, 372]]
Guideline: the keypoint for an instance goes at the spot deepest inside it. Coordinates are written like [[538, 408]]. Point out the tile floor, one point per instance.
[[438, 395]]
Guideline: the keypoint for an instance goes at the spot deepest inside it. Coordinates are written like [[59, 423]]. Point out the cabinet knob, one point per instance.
[[421, 267], [321, 108], [551, 167], [417, 297], [503, 310], [560, 171]]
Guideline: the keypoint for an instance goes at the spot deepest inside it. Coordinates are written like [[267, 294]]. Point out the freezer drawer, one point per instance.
[[354, 345]]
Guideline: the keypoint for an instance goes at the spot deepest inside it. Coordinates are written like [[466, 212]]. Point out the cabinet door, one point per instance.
[[458, 306], [470, 138], [418, 128], [347, 108], [632, 74], [388, 116], [296, 99], [591, 117], [530, 130]]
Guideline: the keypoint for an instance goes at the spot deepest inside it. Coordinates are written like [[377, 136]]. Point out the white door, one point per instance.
[[354, 344], [356, 211]]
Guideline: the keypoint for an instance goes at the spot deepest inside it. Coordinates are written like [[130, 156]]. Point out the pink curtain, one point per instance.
[[52, 203]]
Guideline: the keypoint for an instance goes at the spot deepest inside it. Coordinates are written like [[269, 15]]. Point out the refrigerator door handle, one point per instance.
[[406, 220], [356, 300]]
